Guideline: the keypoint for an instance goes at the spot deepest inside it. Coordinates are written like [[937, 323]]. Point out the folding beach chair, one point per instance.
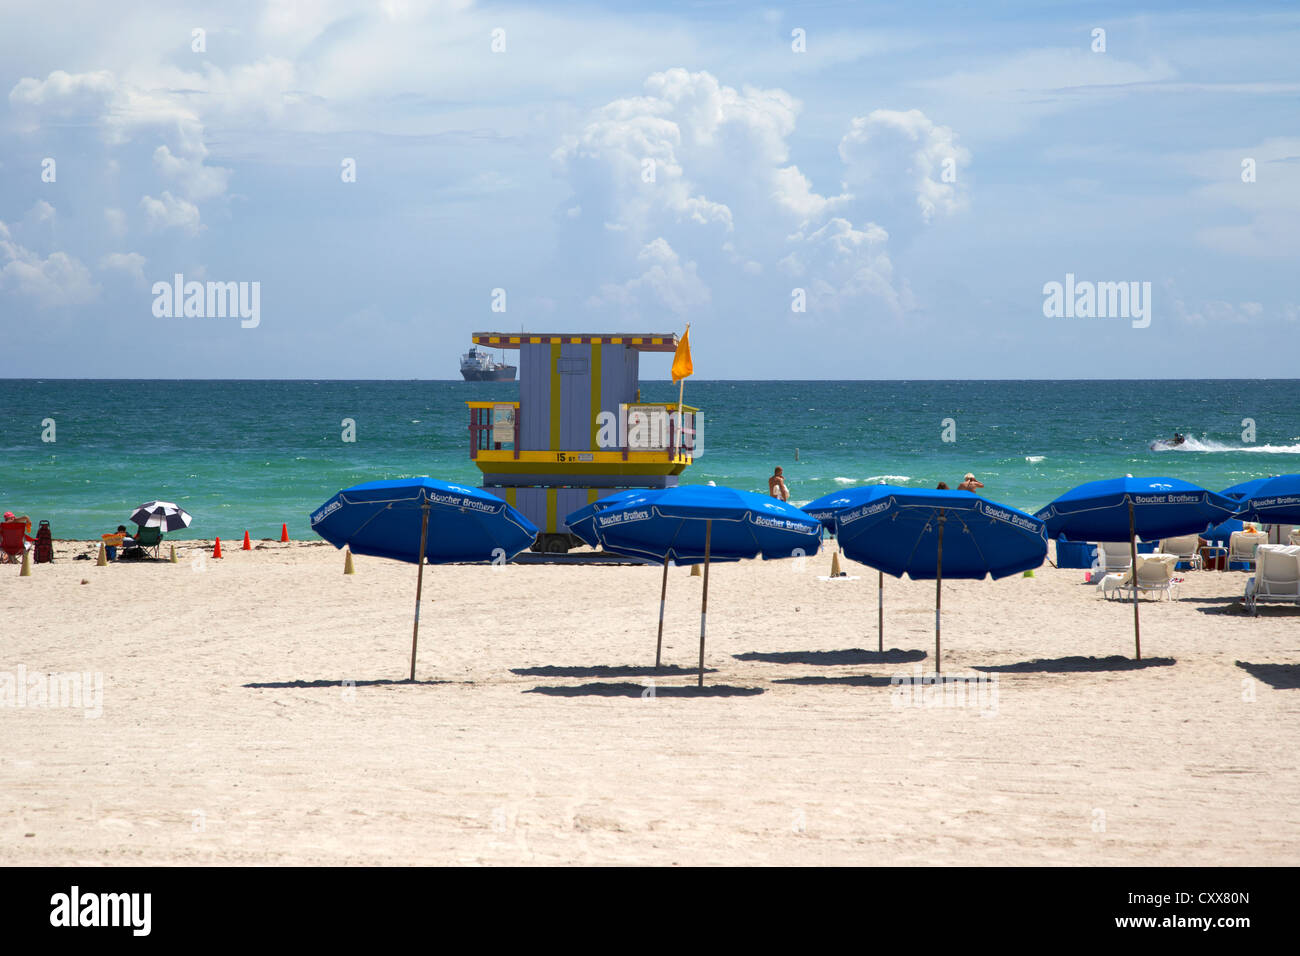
[[13, 541], [1278, 577], [149, 539]]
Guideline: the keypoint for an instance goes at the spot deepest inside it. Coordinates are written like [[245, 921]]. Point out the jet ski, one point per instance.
[[1166, 444]]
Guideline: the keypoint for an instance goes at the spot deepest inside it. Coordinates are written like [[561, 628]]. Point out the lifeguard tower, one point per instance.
[[579, 431]]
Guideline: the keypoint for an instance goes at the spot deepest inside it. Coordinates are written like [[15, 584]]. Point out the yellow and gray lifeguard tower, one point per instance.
[[579, 431]]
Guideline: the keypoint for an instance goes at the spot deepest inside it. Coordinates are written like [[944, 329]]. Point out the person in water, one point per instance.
[[776, 485], [1179, 439], [970, 483]]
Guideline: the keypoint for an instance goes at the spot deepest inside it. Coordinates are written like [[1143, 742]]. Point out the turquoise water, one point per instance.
[[249, 455]]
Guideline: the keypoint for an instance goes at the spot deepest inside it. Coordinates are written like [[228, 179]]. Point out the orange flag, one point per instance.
[[682, 367]]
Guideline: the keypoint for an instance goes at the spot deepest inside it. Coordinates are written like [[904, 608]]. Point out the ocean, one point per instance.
[[249, 455]]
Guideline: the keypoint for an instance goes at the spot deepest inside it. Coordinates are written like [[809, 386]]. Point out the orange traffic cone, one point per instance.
[[284, 534], [216, 551], [248, 545]]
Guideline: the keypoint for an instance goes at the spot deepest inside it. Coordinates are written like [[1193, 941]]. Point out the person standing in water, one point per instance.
[[970, 483], [776, 485]]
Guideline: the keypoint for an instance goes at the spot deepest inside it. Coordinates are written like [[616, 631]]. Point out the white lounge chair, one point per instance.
[[1242, 545], [1186, 548], [1278, 577], [1155, 575], [1115, 556]]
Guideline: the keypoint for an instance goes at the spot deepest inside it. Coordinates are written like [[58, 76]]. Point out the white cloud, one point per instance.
[[132, 263], [124, 110], [721, 164], [887, 149], [42, 212], [667, 282], [171, 212], [115, 220], [56, 280], [1270, 204]]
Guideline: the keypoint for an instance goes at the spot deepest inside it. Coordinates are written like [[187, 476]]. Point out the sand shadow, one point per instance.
[[645, 690], [852, 655], [1077, 665], [599, 670], [854, 680], [310, 684], [1278, 676]]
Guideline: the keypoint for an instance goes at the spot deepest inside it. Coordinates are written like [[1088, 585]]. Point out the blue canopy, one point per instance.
[[383, 519], [1162, 508], [1222, 532], [896, 530], [583, 521], [825, 508], [1242, 489], [1275, 501], [671, 525]]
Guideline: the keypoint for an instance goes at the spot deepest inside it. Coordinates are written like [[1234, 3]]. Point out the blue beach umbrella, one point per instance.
[[583, 521], [1242, 489], [927, 534], [419, 520], [1275, 501], [1116, 509], [694, 524]]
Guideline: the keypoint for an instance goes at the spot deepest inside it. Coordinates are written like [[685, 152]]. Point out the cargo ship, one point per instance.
[[477, 366]]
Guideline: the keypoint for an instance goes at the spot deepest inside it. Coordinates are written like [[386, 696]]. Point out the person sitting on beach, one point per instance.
[[970, 483], [127, 540], [27, 531], [776, 485]]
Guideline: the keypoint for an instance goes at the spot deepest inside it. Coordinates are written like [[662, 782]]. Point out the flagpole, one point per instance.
[[681, 392]]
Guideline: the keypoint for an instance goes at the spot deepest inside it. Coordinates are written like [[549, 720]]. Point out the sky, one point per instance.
[[822, 190]]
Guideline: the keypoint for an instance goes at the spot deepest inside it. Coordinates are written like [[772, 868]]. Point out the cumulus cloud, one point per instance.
[[42, 212], [701, 169], [667, 282], [115, 221], [171, 212], [55, 280], [122, 111], [199, 182], [889, 149], [132, 263]]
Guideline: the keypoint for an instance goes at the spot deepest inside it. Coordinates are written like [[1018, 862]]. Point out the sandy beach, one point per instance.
[[254, 712]]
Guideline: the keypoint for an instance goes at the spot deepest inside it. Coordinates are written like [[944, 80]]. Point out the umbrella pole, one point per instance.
[[663, 593], [704, 605], [1133, 567], [880, 611], [419, 583], [938, 592]]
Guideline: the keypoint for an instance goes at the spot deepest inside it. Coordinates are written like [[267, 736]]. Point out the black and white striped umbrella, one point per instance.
[[161, 514]]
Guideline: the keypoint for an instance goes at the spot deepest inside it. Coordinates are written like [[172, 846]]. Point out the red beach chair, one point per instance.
[[13, 540]]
